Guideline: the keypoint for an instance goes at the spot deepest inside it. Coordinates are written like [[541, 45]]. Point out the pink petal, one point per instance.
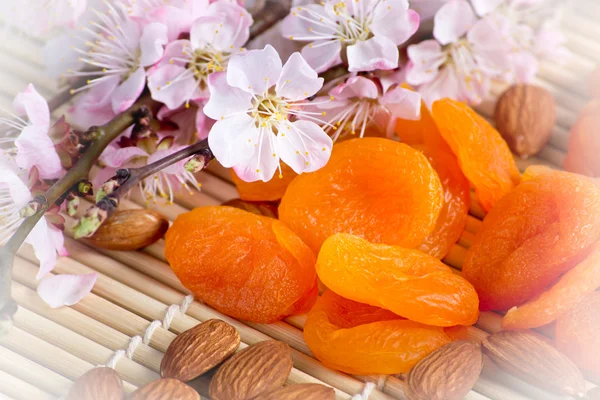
[[296, 25], [202, 123], [46, 240], [490, 48], [154, 37], [303, 145], [444, 85], [118, 157], [19, 192], [524, 66], [65, 290], [31, 103], [35, 148], [177, 20], [298, 80], [452, 21], [225, 99], [232, 24], [175, 54], [167, 86], [322, 54], [263, 161], [255, 71], [127, 92], [376, 53], [231, 139], [395, 21], [356, 87], [402, 103], [426, 8], [484, 7], [425, 61]]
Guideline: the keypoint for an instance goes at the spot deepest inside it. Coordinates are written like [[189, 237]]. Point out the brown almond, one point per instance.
[[301, 391], [100, 383], [525, 115], [130, 230], [199, 349], [265, 208], [448, 373], [524, 355], [260, 368], [165, 389]]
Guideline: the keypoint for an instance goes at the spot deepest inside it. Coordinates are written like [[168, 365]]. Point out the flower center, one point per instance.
[[353, 24], [268, 109], [204, 62]]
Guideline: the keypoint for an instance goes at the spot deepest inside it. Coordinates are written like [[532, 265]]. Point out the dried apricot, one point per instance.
[[423, 131], [536, 233], [483, 155], [361, 339], [577, 334], [584, 142], [407, 282], [264, 191], [567, 292], [379, 189], [247, 266]]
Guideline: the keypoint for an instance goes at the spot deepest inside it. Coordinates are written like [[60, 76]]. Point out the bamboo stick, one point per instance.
[[18, 389], [216, 187], [28, 371]]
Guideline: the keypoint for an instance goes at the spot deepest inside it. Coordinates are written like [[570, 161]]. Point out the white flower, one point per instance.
[[255, 104], [369, 30]]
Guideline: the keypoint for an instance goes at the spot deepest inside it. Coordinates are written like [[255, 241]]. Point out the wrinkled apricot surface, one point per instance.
[[584, 142], [407, 282], [379, 189], [264, 191], [533, 235], [577, 334], [566, 293], [361, 339], [483, 155], [247, 266]]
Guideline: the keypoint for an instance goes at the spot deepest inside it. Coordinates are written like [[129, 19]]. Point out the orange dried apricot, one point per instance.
[[483, 155], [566, 293], [379, 189], [407, 282], [247, 266], [423, 131], [360, 339], [577, 334], [264, 191], [584, 142], [533, 235]]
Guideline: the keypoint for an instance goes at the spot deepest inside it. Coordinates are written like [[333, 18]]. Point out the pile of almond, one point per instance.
[[256, 372]]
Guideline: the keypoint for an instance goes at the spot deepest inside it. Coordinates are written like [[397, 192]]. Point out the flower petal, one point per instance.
[[452, 21], [376, 53], [93, 107], [298, 80], [231, 139], [490, 49], [170, 86], [46, 240], [299, 24], [395, 21], [524, 66], [225, 99], [303, 145], [484, 7], [154, 37], [117, 157], [445, 84], [402, 103], [35, 149], [322, 54], [425, 60], [65, 290], [356, 87], [225, 26], [19, 192], [31, 103], [127, 92], [263, 161], [254, 71]]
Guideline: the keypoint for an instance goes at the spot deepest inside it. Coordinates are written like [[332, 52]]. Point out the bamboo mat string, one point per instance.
[[137, 339]]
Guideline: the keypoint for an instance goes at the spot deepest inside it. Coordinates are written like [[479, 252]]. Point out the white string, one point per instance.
[[366, 392], [135, 341]]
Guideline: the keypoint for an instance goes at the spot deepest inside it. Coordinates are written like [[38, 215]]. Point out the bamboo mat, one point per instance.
[[138, 306]]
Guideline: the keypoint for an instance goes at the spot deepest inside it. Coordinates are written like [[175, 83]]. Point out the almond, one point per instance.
[[525, 116], [448, 373], [260, 368], [301, 391], [100, 383], [130, 230], [165, 389], [524, 355], [199, 349]]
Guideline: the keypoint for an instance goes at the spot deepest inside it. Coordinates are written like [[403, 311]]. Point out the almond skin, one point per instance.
[[448, 373], [525, 116], [524, 355], [301, 391], [130, 230], [100, 383], [257, 369], [165, 389], [199, 349]]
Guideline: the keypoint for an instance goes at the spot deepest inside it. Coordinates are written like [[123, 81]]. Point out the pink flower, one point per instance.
[[370, 31], [118, 51], [37, 17], [361, 102], [466, 55], [256, 103], [181, 75], [28, 140], [426, 8]]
